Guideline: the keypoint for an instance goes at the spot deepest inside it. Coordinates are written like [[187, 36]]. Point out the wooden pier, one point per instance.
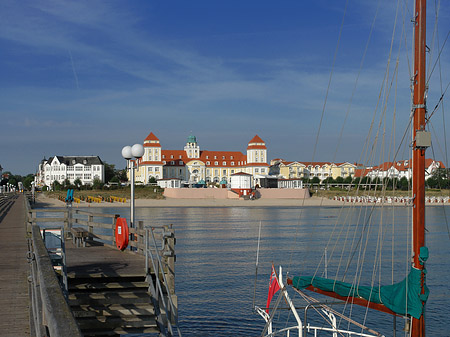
[[85, 286], [14, 268]]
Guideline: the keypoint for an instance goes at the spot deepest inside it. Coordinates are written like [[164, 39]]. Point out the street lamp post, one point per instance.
[[128, 152]]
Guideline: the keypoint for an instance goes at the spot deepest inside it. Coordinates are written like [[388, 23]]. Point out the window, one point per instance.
[[172, 162], [69, 168], [171, 156], [224, 172], [207, 157], [256, 170], [215, 157], [224, 163], [164, 162], [232, 171], [208, 163], [156, 169], [87, 168], [232, 163], [180, 163], [223, 157], [78, 168], [164, 156], [216, 163], [150, 169], [231, 157]]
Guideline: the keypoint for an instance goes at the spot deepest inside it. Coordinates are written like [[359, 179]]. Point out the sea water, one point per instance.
[[216, 259]]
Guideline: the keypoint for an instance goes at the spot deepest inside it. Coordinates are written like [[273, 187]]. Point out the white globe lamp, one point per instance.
[[137, 150], [126, 152]]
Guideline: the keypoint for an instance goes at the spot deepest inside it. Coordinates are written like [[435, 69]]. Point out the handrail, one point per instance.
[[162, 258], [50, 309], [157, 292]]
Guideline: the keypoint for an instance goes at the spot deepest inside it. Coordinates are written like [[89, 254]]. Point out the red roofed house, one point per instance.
[[193, 165], [399, 169]]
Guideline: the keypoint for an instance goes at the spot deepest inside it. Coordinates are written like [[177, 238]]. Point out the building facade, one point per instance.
[[193, 165], [60, 168], [399, 169], [308, 170]]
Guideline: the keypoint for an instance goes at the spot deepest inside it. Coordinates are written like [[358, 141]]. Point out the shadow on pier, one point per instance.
[[105, 291]]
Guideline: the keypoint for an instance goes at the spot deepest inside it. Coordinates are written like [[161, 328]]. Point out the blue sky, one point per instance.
[[89, 77]]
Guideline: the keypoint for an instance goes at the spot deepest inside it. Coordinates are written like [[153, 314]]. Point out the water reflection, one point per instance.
[[216, 253]]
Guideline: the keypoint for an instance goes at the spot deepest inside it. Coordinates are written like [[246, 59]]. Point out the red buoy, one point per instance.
[[121, 233]]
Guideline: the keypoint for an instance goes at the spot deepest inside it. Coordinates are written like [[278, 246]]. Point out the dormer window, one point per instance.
[[216, 163], [215, 157], [224, 163], [223, 157], [207, 157], [171, 156]]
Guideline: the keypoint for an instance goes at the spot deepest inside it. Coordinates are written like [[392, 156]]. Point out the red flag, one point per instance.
[[273, 287]]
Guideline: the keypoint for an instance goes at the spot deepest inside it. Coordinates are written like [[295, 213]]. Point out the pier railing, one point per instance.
[[155, 243], [51, 315]]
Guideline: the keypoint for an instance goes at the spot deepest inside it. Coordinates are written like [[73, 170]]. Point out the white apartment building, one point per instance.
[[60, 168]]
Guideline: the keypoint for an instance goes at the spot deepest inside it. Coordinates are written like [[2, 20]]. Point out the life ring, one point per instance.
[[121, 233]]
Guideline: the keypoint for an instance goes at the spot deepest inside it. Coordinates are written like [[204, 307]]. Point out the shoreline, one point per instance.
[[43, 201]]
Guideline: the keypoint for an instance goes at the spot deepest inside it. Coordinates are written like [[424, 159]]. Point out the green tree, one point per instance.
[[97, 184], [348, 180], [27, 181], [315, 180], [77, 182], [403, 184], [339, 180], [122, 175], [56, 185], [110, 171], [66, 184], [152, 180]]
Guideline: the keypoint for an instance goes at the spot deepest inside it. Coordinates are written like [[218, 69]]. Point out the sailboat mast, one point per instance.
[[418, 325]]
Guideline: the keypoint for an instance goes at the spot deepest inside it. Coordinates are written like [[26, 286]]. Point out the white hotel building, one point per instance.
[[60, 168]]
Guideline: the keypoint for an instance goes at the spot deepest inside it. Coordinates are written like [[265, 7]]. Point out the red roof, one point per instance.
[[151, 136], [256, 143], [209, 158], [256, 139]]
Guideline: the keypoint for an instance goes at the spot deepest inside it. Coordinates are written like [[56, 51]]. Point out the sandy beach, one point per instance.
[[43, 201]]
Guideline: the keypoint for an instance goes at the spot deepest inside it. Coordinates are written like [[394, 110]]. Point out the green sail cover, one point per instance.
[[395, 297]]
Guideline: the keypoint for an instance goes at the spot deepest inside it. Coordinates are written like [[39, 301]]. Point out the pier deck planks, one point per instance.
[[14, 270], [98, 260]]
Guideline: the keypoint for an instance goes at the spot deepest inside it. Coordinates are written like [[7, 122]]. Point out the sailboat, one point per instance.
[[406, 298]]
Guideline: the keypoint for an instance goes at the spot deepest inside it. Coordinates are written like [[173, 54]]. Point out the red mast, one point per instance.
[[419, 147]]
